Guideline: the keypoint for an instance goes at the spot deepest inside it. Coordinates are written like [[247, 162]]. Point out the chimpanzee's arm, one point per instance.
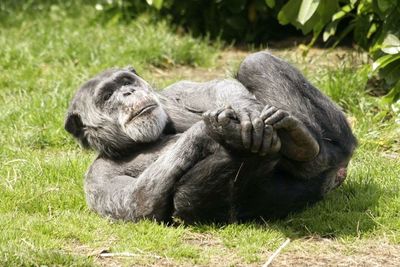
[[112, 193], [185, 101]]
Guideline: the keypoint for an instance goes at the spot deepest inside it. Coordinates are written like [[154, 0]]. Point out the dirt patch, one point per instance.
[[306, 252], [228, 61], [79, 249], [317, 58], [216, 253], [325, 252], [303, 252]]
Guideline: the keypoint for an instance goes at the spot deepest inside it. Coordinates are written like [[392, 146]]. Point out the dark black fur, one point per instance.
[[198, 169]]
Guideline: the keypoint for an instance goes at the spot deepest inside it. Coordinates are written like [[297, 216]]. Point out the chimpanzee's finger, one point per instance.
[[232, 114], [275, 143], [267, 138], [277, 116], [224, 117], [246, 125], [215, 113], [257, 134], [206, 117], [267, 112]]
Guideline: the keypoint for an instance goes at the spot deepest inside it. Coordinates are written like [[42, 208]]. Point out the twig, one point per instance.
[[264, 221], [276, 253], [128, 254], [118, 254], [237, 174]]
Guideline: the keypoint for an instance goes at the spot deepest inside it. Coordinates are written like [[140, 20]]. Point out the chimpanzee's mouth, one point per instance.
[[144, 110]]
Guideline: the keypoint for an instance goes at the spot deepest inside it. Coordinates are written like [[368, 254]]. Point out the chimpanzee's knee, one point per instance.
[[256, 64]]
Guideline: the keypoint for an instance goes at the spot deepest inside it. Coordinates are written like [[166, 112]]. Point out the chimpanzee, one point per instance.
[[261, 145]]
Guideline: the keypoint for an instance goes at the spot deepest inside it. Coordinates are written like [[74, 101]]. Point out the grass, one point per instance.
[[46, 54]]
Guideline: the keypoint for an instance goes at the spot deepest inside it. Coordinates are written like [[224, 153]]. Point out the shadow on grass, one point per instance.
[[347, 211]]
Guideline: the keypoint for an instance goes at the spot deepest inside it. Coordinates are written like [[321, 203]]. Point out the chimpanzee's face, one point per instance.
[[114, 108]]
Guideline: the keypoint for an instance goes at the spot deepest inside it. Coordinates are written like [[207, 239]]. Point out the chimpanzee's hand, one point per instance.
[[256, 136], [224, 127], [252, 128]]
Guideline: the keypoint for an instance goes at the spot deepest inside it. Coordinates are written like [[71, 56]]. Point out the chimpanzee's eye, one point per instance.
[[107, 95], [126, 82]]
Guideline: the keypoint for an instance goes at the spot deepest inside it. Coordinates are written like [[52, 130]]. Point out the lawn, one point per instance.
[[46, 52]]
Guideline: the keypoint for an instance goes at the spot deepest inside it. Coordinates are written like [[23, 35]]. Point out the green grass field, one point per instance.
[[46, 54]]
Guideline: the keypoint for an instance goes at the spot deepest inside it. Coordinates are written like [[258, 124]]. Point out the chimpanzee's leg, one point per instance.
[[207, 192], [313, 123], [204, 194], [278, 195]]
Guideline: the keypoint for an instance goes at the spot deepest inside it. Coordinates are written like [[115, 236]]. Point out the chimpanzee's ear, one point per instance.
[[73, 124], [131, 69]]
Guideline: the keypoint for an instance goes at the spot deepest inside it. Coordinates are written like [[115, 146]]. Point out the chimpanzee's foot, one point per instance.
[[298, 143], [279, 118]]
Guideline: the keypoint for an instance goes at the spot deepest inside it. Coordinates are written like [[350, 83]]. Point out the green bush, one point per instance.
[[374, 25], [242, 21]]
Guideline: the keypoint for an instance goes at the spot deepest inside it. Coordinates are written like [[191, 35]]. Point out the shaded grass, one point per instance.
[[44, 219]]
